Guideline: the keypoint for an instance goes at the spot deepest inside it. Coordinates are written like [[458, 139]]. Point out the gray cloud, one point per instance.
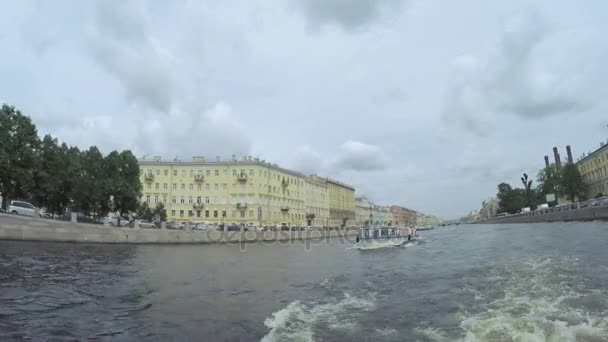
[[347, 14], [358, 156], [514, 79], [119, 41]]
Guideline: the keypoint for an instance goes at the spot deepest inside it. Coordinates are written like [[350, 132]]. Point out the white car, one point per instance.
[[113, 221], [23, 208]]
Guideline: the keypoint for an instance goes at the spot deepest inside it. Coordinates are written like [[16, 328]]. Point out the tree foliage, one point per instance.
[[572, 182], [549, 181], [57, 177], [510, 200]]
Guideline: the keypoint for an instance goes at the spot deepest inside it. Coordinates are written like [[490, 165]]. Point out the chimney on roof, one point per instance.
[[569, 151], [558, 162], [546, 161]]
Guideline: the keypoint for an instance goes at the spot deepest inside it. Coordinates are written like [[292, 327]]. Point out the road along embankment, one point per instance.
[[554, 215], [29, 229]]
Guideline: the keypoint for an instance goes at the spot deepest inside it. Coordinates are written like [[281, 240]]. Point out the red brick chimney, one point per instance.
[[546, 161], [558, 162], [569, 151]]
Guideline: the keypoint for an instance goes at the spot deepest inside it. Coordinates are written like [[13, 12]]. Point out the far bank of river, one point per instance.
[[29, 229], [554, 215]]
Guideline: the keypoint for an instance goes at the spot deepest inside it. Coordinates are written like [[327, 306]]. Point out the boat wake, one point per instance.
[[540, 302], [377, 244], [299, 321]]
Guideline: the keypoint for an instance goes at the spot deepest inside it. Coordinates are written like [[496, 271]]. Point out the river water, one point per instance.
[[528, 282]]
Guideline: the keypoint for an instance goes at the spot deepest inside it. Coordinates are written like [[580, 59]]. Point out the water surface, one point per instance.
[[528, 282]]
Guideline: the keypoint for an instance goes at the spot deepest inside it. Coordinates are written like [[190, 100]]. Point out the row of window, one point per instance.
[[595, 174], [217, 200], [218, 186], [233, 214], [235, 172]]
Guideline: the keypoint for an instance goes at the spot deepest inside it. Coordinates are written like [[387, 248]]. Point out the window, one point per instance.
[[165, 199], [214, 200], [182, 200], [198, 213], [251, 186], [225, 173], [215, 213], [215, 187], [224, 186], [149, 186], [242, 213], [191, 186], [158, 172], [199, 172], [233, 198], [191, 173], [149, 172], [234, 214], [155, 199], [206, 213], [251, 172], [223, 213], [148, 198], [250, 213], [199, 187], [190, 200], [242, 186], [233, 186], [183, 186], [234, 173], [251, 199], [174, 186], [198, 200], [217, 172], [183, 173], [157, 186], [165, 186], [173, 213], [206, 199], [208, 172], [207, 186], [242, 199], [175, 173], [173, 199], [190, 213], [166, 172], [181, 213]]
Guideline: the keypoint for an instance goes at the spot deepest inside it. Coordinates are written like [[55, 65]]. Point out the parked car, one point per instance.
[[175, 225], [146, 224], [2, 210], [23, 208], [233, 228], [117, 221]]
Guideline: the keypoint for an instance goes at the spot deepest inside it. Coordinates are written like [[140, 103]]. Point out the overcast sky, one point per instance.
[[424, 103]]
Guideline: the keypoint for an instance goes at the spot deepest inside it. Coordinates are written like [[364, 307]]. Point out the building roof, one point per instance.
[[202, 162], [590, 155]]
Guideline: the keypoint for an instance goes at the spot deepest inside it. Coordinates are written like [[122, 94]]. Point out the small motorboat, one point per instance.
[[376, 237]]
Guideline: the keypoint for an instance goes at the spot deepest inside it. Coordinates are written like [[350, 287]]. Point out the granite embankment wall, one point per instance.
[[554, 215], [29, 229]]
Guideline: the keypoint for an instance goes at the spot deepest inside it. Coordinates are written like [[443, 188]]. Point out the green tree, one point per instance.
[[510, 200], [144, 212], [572, 182], [122, 181], [161, 212], [47, 176], [527, 189], [90, 195], [549, 181], [18, 143]]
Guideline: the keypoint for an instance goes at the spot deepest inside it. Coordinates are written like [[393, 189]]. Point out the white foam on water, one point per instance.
[[374, 244], [297, 321], [543, 299], [432, 334]]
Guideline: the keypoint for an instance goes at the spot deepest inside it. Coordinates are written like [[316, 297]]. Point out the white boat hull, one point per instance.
[[380, 243]]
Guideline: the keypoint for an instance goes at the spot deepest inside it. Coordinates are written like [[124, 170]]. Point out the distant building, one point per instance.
[[594, 170], [403, 216], [341, 202], [489, 208]]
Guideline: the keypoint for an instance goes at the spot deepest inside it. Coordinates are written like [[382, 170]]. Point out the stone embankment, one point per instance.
[[553, 215], [14, 227]]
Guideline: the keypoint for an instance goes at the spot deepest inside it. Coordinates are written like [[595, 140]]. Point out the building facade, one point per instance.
[[248, 191], [364, 212], [316, 202], [341, 202], [403, 216], [594, 170], [489, 208]]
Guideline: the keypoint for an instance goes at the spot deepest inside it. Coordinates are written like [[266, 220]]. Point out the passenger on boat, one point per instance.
[[409, 234]]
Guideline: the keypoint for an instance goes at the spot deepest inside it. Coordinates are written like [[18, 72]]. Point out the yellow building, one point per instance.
[[247, 191], [594, 170], [341, 202], [317, 202]]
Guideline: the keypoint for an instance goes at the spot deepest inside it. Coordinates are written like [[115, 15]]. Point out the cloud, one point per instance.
[[308, 161], [516, 79], [358, 156], [347, 14], [120, 43]]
